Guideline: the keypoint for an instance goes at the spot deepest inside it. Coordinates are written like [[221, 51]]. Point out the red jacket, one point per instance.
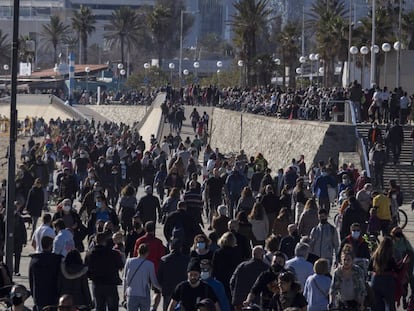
[[156, 249]]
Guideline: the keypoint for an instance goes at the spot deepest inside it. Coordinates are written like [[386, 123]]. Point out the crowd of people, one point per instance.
[[179, 221], [236, 234], [313, 103]]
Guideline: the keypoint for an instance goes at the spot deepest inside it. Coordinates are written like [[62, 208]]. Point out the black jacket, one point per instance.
[[181, 222], [172, 271], [104, 265], [73, 280], [244, 277], [44, 270], [35, 202], [148, 206]]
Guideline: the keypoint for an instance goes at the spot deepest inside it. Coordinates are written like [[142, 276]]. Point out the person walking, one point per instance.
[[35, 203], [73, 279], [396, 139], [104, 264], [44, 269], [139, 276], [172, 271]]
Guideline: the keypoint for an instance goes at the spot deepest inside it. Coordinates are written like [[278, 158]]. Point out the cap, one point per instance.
[[148, 189], [206, 302], [194, 265]]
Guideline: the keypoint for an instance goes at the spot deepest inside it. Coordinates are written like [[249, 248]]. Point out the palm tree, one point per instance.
[[408, 27], [252, 16], [123, 29], [84, 23], [5, 48], [328, 21], [54, 33], [385, 32], [289, 50], [159, 24]]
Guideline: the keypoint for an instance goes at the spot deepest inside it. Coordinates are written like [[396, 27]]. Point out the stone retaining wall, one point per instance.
[[280, 140]]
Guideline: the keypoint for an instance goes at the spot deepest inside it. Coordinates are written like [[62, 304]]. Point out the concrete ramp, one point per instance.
[[150, 124], [128, 114], [46, 106]]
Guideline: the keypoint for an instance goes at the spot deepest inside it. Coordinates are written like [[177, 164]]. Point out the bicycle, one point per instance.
[[402, 218]]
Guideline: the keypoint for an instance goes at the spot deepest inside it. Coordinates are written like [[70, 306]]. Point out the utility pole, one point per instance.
[[11, 188]]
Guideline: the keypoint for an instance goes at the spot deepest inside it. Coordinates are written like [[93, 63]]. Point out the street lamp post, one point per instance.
[[120, 67], [312, 58], [302, 61], [277, 63], [196, 65], [6, 68], [373, 56], [240, 63], [317, 58], [87, 70], [386, 47], [353, 51], [171, 66], [147, 66], [219, 65], [397, 47], [364, 51], [180, 61], [186, 72]]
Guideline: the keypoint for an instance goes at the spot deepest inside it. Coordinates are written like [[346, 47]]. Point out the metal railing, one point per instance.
[[361, 147]]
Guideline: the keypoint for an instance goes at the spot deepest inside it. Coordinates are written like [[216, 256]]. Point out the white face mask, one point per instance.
[[394, 196], [355, 234], [66, 208], [204, 275]]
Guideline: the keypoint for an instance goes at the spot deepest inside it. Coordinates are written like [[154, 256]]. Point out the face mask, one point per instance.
[[133, 154], [82, 155], [355, 234], [201, 245], [101, 164], [346, 182], [368, 192], [66, 208], [324, 174], [324, 221], [394, 196], [204, 275], [114, 172], [109, 161], [91, 175], [17, 300], [122, 162], [98, 204]]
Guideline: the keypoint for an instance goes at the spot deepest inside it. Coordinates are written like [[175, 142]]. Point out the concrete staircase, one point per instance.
[[403, 172]]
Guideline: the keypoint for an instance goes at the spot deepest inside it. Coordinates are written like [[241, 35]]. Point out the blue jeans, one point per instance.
[[106, 296], [135, 303]]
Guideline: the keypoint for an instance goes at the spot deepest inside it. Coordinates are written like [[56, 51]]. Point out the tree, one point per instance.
[[385, 32], [159, 23], [26, 51], [289, 50], [328, 21], [123, 29], [5, 48], [408, 27], [84, 23], [54, 33], [252, 17]]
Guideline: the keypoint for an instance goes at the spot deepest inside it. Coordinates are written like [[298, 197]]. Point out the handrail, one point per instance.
[[361, 147]]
